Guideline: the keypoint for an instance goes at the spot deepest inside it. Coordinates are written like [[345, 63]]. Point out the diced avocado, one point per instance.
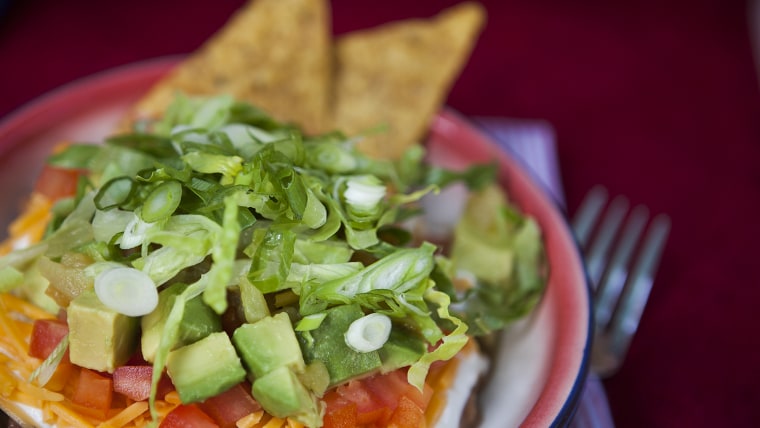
[[326, 343], [482, 239], [253, 301], [282, 394], [402, 349], [268, 344], [315, 377], [100, 338], [34, 290], [198, 321], [205, 368]]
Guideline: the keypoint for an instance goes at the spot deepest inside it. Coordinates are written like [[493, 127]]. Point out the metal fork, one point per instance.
[[621, 259]]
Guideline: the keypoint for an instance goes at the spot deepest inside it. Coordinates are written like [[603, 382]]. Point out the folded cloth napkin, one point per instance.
[[532, 143]]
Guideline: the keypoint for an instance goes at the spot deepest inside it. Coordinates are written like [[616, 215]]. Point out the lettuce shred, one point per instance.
[[310, 218]]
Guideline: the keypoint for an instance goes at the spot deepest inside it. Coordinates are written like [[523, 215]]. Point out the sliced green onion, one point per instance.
[[44, 372], [127, 290], [363, 193], [368, 333], [134, 233], [162, 201], [311, 322], [114, 193]]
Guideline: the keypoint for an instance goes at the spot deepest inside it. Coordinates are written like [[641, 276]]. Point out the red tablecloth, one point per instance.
[[657, 100]]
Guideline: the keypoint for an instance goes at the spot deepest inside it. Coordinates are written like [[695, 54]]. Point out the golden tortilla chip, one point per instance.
[[274, 54], [399, 74]]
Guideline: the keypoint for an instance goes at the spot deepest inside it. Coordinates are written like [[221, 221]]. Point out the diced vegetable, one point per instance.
[[368, 333], [57, 183], [231, 405], [134, 382], [407, 414], [66, 282], [381, 400], [188, 416], [364, 193], [389, 387], [127, 291], [46, 334], [93, 390], [340, 413], [45, 371]]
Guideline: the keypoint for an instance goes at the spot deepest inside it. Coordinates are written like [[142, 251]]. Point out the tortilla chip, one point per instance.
[[274, 54], [398, 75]]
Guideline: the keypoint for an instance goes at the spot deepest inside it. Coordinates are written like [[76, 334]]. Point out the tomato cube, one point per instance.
[[187, 416], [407, 415], [93, 390], [391, 386], [57, 183], [231, 405], [340, 413], [46, 335], [134, 382]]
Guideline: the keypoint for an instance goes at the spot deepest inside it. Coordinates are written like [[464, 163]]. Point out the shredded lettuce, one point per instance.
[[399, 273], [502, 249], [223, 254], [10, 278], [219, 192]]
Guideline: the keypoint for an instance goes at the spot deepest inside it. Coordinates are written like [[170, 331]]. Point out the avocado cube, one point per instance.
[[327, 344], [402, 349], [100, 338], [267, 344], [205, 368], [282, 394], [198, 321]]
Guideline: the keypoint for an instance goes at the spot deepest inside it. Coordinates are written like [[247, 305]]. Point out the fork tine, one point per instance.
[[596, 256], [587, 214], [614, 277], [635, 295]]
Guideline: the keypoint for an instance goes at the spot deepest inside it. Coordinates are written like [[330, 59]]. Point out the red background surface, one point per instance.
[[657, 100]]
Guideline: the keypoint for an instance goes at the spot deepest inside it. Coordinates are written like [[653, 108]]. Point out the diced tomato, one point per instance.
[[231, 405], [376, 417], [391, 386], [188, 416], [340, 412], [46, 335], [134, 381], [93, 390], [378, 399], [356, 392], [57, 183], [407, 415]]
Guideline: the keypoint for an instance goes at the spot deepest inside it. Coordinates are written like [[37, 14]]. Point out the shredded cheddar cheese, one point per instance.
[[251, 420], [30, 225], [124, 417]]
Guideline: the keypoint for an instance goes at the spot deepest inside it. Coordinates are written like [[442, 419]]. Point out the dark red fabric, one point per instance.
[[657, 100]]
